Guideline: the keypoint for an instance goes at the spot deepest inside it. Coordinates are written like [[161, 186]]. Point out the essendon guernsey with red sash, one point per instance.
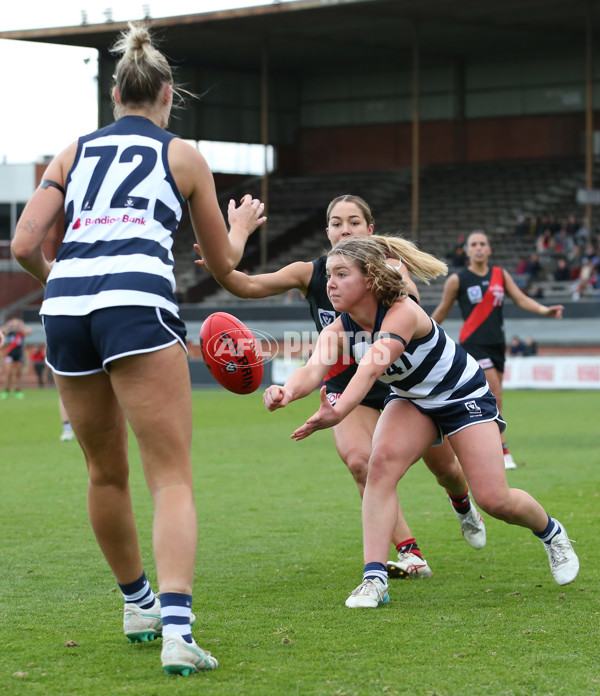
[[481, 299]]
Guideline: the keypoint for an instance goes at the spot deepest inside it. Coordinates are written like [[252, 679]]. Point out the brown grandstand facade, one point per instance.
[[376, 97]]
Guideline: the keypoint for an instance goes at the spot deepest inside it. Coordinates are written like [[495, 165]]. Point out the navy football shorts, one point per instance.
[[455, 416], [83, 345], [487, 356], [15, 355]]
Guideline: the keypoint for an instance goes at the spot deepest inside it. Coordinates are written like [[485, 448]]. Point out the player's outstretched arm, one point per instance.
[[307, 378], [302, 382], [401, 320], [295, 275], [527, 303], [326, 417]]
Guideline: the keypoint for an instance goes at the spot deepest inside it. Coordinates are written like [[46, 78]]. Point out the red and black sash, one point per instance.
[[483, 309]]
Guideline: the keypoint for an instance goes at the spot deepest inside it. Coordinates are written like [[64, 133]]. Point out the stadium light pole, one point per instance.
[[264, 122], [589, 116], [415, 132]]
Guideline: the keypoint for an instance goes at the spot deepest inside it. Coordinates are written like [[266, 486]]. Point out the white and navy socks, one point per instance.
[[552, 529], [374, 571], [138, 592], [176, 612]]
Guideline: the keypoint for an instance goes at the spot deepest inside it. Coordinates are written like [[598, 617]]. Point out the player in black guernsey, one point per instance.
[[479, 290], [351, 216], [15, 330]]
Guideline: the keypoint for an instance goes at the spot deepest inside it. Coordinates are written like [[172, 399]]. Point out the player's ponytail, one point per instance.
[[418, 263]]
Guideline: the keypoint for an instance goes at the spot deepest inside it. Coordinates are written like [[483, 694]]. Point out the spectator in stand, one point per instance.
[[582, 236], [553, 224], [521, 267], [543, 224], [563, 243], [456, 255], [533, 268], [536, 292], [522, 226], [459, 258], [588, 275], [562, 272], [533, 226], [545, 243], [516, 347], [530, 347], [574, 260], [38, 360], [572, 225]]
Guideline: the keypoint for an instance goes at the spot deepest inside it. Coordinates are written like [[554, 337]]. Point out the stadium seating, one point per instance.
[[454, 200]]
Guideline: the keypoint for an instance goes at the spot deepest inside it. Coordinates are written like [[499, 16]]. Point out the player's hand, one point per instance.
[[555, 311], [276, 397], [325, 417], [200, 261], [248, 215]]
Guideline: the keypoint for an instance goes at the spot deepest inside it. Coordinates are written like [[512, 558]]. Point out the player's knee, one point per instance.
[[381, 466], [358, 465], [445, 470], [495, 505]]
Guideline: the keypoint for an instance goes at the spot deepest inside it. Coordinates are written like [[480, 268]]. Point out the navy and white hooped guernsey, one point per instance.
[[432, 370], [122, 208]]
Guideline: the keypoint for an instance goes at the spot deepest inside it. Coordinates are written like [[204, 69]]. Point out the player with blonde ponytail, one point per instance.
[[418, 263]]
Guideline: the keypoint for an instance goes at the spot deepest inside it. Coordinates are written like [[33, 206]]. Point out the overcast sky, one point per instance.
[[50, 91]]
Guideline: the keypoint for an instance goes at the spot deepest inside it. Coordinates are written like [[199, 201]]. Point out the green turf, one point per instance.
[[280, 550]]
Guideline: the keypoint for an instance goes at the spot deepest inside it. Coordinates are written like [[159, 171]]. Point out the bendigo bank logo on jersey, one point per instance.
[[108, 220]]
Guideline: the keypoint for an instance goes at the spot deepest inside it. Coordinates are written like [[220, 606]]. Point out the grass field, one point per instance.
[[280, 550]]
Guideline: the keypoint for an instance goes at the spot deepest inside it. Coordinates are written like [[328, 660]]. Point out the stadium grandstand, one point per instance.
[[445, 116]]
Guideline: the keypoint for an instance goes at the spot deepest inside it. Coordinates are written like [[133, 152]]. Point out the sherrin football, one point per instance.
[[231, 353]]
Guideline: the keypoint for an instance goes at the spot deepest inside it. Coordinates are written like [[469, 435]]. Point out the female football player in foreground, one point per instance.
[[437, 389], [115, 341], [350, 216]]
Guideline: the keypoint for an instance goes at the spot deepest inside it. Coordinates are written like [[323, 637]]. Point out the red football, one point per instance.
[[231, 353]]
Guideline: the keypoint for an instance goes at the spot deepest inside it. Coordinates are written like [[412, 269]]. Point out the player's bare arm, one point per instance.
[[405, 317], [296, 275], [527, 303], [441, 312], [40, 215], [307, 378]]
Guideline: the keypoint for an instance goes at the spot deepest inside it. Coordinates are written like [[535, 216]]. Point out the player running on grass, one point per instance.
[[437, 389], [480, 290], [350, 216]]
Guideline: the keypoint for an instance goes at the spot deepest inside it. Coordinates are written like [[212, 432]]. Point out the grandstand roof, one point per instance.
[[304, 34]]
